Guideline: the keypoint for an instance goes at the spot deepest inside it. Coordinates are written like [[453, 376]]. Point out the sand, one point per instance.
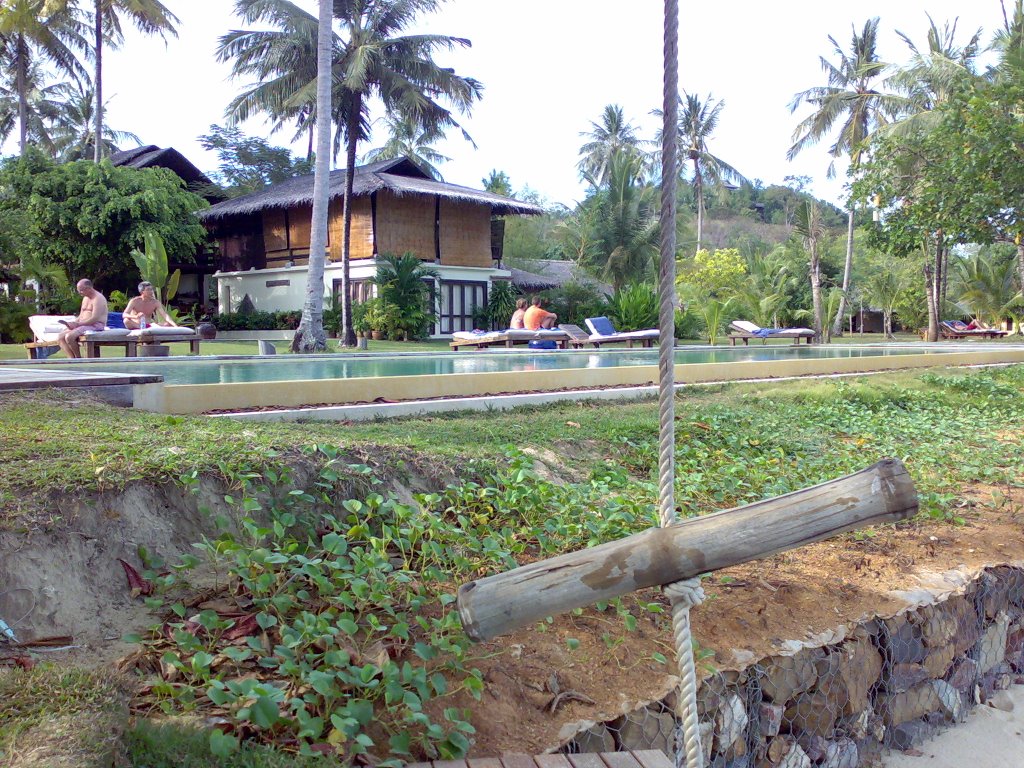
[[991, 738]]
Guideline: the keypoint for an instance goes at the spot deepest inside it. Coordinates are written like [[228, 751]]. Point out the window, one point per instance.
[[359, 290], [460, 300]]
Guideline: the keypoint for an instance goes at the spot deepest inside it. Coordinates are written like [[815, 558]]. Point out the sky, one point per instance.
[[549, 67]]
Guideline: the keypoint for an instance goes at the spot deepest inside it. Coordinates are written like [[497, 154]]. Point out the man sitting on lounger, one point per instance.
[[537, 317], [146, 307], [91, 317]]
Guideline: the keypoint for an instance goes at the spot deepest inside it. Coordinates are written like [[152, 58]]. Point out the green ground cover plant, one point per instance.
[[345, 639]]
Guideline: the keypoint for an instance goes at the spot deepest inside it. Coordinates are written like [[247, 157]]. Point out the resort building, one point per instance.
[[263, 239]]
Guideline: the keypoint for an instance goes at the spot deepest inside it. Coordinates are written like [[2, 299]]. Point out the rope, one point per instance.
[[684, 594]]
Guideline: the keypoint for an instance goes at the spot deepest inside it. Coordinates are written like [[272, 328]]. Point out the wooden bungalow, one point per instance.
[[264, 238]]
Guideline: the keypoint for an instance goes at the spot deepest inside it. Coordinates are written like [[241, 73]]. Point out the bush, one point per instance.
[[575, 302], [259, 321], [14, 321], [689, 325], [634, 308]]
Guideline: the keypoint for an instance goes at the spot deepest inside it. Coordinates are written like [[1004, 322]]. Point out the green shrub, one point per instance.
[[14, 321], [689, 325], [634, 308]]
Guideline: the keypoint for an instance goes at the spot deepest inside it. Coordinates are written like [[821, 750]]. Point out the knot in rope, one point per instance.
[[687, 591]]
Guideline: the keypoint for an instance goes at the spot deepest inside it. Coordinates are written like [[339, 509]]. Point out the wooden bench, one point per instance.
[[641, 758], [32, 346], [764, 339], [131, 345]]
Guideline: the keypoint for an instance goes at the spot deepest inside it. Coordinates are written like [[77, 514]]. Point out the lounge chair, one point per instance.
[[603, 332], [742, 329], [507, 338], [46, 328], [957, 329]]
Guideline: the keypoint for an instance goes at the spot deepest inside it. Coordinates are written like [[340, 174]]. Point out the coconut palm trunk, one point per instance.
[[698, 186], [310, 337], [837, 322], [348, 336], [98, 79], [816, 293], [21, 80], [1020, 274]]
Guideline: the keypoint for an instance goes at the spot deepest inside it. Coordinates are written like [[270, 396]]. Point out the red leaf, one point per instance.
[[243, 627], [138, 585]]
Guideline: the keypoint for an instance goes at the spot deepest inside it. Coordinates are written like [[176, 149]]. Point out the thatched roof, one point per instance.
[[400, 176], [554, 273], [152, 156]]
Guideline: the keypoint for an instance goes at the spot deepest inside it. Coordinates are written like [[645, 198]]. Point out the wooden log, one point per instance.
[[497, 604]]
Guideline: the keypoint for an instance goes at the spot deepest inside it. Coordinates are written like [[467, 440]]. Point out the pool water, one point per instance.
[[350, 366]]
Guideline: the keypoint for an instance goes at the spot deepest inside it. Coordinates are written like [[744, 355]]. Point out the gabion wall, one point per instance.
[[891, 683]]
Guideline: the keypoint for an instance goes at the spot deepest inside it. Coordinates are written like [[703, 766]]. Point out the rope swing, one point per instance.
[[683, 595]]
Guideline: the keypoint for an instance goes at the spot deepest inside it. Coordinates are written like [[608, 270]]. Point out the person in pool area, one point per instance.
[[91, 317], [536, 317], [517, 317], [146, 307]]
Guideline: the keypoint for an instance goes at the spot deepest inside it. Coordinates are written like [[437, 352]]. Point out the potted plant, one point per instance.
[[359, 322]]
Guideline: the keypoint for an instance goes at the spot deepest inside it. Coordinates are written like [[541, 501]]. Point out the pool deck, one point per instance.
[[351, 398]]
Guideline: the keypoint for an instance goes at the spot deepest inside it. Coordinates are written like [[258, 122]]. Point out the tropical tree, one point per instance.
[[42, 102], [882, 289], [498, 182], [310, 335], [850, 99], [808, 224], [606, 138], [623, 243], [29, 31], [407, 139], [697, 122], [73, 125], [250, 163], [377, 61], [985, 285], [404, 282], [150, 17], [282, 62]]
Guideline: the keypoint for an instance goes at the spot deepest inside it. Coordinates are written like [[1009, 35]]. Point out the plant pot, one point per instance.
[[206, 330], [376, 335]]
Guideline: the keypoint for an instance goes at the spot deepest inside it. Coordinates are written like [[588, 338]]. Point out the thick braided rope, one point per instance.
[[682, 594]]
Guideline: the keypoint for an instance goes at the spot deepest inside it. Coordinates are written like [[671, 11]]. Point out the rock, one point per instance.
[[782, 677], [778, 748], [964, 675], [769, 719], [999, 679], [731, 725], [951, 700], [814, 746], [597, 738], [795, 758], [904, 642], [905, 676], [707, 738], [648, 729], [812, 713], [909, 705], [859, 667], [938, 660], [992, 647], [841, 753], [968, 627], [906, 735], [1000, 700], [995, 597], [1013, 579], [938, 626]]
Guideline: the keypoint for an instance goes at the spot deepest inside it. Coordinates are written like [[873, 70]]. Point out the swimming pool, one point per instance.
[[199, 385], [350, 366]]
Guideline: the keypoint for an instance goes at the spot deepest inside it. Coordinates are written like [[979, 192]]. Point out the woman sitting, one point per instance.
[[145, 310]]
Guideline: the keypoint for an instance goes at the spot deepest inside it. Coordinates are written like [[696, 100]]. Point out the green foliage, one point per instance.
[[152, 264], [403, 282], [575, 301], [717, 273], [14, 321], [689, 325], [87, 217], [248, 164], [634, 308], [259, 321], [500, 305]]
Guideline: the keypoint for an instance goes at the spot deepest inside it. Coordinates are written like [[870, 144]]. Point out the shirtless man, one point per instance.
[[92, 317], [146, 305]]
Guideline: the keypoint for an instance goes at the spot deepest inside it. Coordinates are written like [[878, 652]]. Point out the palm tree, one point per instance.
[[808, 224], [28, 31], [607, 137], [404, 281], [498, 182], [281, 60], [407, 139], [42, 104], [883, 289], [849, 98], [376, 61], [73, 124], [310, 336], [625, 242], [150, 17], [697, 122], [986, 287]]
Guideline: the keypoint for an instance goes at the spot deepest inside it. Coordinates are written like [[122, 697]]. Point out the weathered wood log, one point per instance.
[[497, 604]]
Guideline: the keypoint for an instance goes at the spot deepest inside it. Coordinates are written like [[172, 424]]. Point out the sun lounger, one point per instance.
[[46, 328], [603, 332], [508, 338], [741, 329], [957, 329]]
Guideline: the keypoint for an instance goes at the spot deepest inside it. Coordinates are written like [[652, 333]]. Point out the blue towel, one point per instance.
[[115, 320], [763, 333]]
